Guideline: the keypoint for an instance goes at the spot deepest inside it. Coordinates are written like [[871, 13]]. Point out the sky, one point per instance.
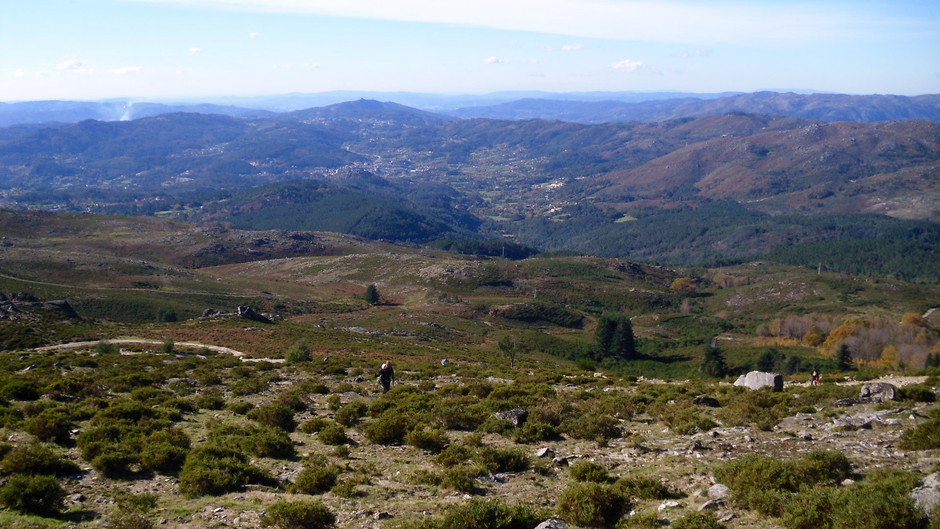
[[188, 49]]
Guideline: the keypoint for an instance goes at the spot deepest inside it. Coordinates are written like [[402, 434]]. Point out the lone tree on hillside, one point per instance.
[[614, 336], [372, 295], [844, 358], [713, 363], [510, 346]]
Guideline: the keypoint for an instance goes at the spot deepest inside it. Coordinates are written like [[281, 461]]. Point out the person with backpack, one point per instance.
[[386, 376]]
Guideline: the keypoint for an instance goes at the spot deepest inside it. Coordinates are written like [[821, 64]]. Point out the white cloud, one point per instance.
[[573, 47], [628, 65], [296, 66], [728, 21], [126, 70], [254, 35], [194, 50], [493, 60], [72, 64]]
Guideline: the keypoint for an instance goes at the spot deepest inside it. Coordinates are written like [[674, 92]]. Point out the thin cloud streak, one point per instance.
[[731, 21]]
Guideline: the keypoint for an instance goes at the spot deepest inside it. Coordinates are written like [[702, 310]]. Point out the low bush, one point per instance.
[[275, 415], [488, 514], [314, 425], [240, 407], [37, 494], [298, 353], [584, 470], [333, 434], [924, 436], [461, 478], [298, 515], [349, 414], [19, 389], [165, 451], [210, 401], [644, 488], [52, 424], [388, 428], [117, 462], [315, 480], [591, 426], [35, 458], [502, 459], [917, 393], [534, 432], [214, 470], [697, 520], [430, 439], [588, 504]]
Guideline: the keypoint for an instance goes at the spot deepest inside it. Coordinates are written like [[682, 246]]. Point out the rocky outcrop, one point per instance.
[[759, 379], [516, 416], [878, 392]]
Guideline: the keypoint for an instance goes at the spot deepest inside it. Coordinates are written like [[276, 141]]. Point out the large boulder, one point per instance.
[[927, 494], [760, 379], [553, 523], [878, 391]]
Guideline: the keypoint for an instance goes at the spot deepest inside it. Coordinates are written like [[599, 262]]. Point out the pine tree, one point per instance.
[[844, 358], [371, 295], [713, 363], [614, 337]]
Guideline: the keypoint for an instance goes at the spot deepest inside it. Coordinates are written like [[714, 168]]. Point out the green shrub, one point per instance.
[[333, 434], [211, 401], [425, 438], [453, 455], [389, 428], [350, 414], [52, 424], [924, 436], [116, 462], [19, 389], [298, 515], [33, 494], [535, 432], [214, 470], [240, 407], [591, 426], [35, 458], [502, 459], [916, 393], [314, 425], [489, 514], [584, 470], [254, 440], [697, 520], [588, 504], [315, 480], [297, 353], [275, 415], [460, 478], [643, 488]]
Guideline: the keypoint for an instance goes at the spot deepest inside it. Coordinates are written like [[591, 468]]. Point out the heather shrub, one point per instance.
[[52, 424], [697, 520], [35, 458], [502, 459], [534, 432], [315, 480], [349, 414], [333, 434], [298, 515], [314, 425], [426, 438], [584, 470], [453, 455], [488, 514], [388, 428], [214, 470], [591, 426], [917, 393], [643, 488], [924, 436], [240, 407], [210, 400], [165, 451], [33, 494], [460, 478], [19, 389], [297, 353], [116, 462], [275, 415], [588, 504], [254, 440]]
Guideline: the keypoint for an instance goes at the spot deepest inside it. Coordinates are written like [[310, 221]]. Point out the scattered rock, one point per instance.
[[545, 452], [671, 504], [251, 314], [927, 494], [759, 379], [516, 416], [706, 401], [878, 391], [711, 504], [553, 523], [718, 491], [727, 518]]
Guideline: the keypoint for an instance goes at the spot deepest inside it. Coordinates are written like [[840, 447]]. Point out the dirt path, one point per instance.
[[135, 341]]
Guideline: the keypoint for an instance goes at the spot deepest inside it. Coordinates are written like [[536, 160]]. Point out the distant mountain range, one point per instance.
[[582, 107], [727, 186]]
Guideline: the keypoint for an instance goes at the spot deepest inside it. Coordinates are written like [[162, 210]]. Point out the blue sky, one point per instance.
[[178, 49]]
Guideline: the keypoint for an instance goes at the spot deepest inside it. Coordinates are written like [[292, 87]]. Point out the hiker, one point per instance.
[[815, 377], [386, 376]]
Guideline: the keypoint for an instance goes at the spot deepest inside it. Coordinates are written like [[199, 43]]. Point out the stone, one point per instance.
[[926, 495], [711, 505], [671, 504], [702, 400], [759, 379], [545, 452], [516, 416], [251, 314], [718, 491], [553, 523], [727, 518], [878, 391]]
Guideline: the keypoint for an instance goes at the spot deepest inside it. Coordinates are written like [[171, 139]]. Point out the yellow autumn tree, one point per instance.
[[684, 286], [813, 338], [889, 357]]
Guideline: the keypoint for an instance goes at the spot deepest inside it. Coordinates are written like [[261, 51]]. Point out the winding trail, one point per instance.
[[136, 341]]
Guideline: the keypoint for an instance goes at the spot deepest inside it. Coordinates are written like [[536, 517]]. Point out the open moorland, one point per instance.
[[162, 374]]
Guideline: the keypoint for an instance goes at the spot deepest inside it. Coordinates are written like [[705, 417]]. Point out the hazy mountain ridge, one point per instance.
[[387, 171]]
